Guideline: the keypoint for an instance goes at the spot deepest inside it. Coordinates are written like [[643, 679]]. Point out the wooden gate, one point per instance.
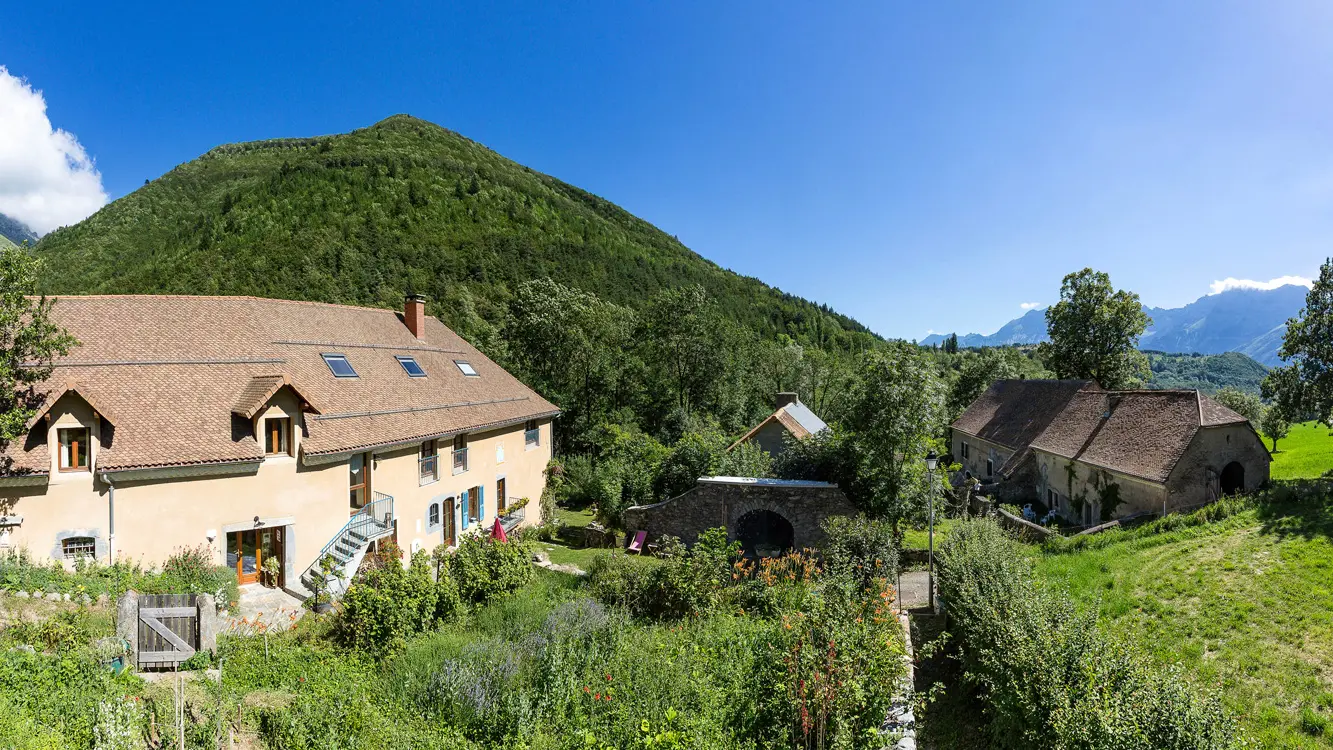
[[168, 629]]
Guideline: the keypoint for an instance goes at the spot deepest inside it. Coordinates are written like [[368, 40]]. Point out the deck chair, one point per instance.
[[637, 544]]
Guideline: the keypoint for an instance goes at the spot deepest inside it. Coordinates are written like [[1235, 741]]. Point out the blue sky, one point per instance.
[[920, 166]]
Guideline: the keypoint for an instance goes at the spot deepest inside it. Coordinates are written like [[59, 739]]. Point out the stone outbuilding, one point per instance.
[[767, 516], [1094, 455]]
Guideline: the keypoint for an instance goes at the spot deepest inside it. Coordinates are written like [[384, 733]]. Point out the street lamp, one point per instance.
[[932, 461]]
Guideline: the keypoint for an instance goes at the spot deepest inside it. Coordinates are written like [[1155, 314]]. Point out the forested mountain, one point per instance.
[[358, 218], [1250, 321], [13, 231], [1207, 372]]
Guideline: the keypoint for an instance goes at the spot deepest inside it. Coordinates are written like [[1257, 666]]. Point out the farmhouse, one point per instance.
[[791, 419], [266, 429], [1108, 454]]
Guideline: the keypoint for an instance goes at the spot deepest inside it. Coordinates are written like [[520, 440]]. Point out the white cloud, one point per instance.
[[1228, 284], [1029, 305], [47, 180]]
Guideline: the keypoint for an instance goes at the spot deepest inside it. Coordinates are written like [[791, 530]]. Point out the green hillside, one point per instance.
[[360, 217], [1243, 604], [1207, 372]]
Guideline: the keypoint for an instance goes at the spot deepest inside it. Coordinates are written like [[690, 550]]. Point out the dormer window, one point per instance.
[[277, 436], [339, 366], [467, 369], [411, 367], [74, 449]]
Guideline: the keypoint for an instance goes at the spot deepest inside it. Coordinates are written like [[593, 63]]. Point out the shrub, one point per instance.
[[483, 568], [1049, 676], [385, 605], [861, 548]]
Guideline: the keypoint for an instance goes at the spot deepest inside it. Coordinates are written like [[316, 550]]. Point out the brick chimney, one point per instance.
[[786, 399], [414, 314]]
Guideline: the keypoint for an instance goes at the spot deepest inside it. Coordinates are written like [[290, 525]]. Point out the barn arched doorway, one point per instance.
[[763, 533], [1232, 480]]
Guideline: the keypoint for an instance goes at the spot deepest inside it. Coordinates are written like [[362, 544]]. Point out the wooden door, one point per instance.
[[500, 499], [450, 530], [244, 555], [359, 481]]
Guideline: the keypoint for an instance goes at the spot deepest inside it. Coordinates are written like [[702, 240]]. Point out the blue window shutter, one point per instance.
[[464, 507], [481, 505]]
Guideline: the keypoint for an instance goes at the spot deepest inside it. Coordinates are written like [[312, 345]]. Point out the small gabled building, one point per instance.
[[267, 429], [792, 419]]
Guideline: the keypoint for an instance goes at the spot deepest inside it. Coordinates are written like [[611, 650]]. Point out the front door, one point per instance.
[[247, 550], [500, 500], [450, 532]]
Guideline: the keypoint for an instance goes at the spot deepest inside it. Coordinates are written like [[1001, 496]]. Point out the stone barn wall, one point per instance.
[[723, 501]]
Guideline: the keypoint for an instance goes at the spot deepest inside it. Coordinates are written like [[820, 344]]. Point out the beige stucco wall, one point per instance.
[[155, 517], [770, 438], [1053, 473], [396, 473], [1195, 478], [978, 451]]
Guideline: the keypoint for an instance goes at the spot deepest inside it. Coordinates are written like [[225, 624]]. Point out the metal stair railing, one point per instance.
[[371, 522]]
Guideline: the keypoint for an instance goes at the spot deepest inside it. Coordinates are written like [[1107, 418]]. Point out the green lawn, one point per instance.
[[1245, 603], [1306, 452], [920, 538], [578, 518]]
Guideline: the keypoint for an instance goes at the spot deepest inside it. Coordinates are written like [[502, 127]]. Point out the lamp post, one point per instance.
[[932, 461]]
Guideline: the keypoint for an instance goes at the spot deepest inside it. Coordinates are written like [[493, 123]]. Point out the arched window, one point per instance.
[[433, 516], [75, 547]]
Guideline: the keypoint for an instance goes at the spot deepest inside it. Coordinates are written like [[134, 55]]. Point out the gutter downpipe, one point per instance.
[[111, 514]]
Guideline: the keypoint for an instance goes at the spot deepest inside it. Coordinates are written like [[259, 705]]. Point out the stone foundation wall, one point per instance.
[[723, 501]]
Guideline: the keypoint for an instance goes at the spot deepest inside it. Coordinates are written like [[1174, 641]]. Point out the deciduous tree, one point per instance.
[[1245, 404], [1306, 384], [1095, 331], [29, 341]]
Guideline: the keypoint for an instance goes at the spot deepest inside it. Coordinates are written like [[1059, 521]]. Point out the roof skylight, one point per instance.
[[467, 369], [411, 367], [339, 365]]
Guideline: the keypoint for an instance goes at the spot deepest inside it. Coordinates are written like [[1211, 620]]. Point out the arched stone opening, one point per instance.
[[763, 533], [1232, 480]]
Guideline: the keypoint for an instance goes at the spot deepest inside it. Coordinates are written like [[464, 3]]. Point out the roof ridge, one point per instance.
[[225, 297]]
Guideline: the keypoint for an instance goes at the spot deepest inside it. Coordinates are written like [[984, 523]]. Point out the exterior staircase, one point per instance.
[[348, 547]]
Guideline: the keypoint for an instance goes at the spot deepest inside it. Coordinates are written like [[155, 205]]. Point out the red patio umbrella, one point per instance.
[[498, 532]]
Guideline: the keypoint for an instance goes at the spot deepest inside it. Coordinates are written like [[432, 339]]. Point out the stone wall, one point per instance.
[[723, 501]]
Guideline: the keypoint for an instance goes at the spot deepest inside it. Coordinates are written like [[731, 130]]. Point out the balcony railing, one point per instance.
[[532, 438], [429, 469], [460, 460], [512, 518]]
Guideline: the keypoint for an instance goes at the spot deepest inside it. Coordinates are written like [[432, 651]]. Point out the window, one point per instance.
[[339, 365], [990, 468], [1052, 499], [965, 451], [411, 367], [74, 449], [428, 462], [532, 434], [433, 516], [474, 510], [277, 431], [500, 503], [467, 369], [460, 454], [75, 547]]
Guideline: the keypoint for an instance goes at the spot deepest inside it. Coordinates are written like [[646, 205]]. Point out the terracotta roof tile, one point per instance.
[[1013, 413], [173, 369], [1144, 435]]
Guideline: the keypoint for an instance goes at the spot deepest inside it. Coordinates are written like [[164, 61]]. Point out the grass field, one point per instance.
[[1245, 604], [1306, 452]]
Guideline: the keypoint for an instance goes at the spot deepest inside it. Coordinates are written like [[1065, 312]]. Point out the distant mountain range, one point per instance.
[[15, 231], [1249, 321]]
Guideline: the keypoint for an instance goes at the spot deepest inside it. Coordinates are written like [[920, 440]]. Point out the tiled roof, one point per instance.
[[1143, 434], [259, 390], [796, 418], [1213, 414], [172, 369], [1013, 413]]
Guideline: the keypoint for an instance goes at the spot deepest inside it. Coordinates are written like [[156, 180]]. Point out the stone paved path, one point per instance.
[[261, 608]]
